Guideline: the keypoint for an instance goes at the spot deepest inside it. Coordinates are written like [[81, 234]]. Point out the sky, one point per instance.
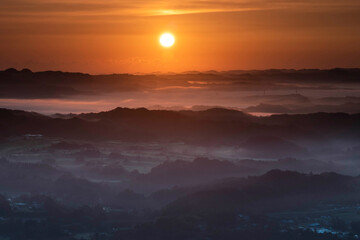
[[122, 36]]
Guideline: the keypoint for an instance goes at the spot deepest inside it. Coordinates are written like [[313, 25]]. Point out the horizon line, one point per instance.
[[180, 72]]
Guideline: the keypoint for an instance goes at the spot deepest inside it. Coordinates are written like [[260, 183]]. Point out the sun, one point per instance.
[[167, 40]]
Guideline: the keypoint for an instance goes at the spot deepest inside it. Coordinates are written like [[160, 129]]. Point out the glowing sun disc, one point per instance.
[[167, 40]]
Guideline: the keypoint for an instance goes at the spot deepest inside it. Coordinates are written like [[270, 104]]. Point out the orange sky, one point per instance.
[[122, 36]]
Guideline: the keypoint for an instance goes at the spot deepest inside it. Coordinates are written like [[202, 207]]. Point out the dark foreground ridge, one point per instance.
[[269, 206]]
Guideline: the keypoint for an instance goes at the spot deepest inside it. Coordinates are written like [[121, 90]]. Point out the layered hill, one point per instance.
[[213, 126]]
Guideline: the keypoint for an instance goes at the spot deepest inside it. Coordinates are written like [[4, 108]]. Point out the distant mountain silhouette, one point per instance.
[[339, 100], [293, 164], [57, 84], [276, 99], [267, 108], [49, 84], [349, 107]]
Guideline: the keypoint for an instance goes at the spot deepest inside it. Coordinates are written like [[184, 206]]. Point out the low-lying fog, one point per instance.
[[255, 102], [267, 91]]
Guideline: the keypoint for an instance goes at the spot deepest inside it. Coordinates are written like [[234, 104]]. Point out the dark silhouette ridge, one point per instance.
[[214, 126], [272, 191]]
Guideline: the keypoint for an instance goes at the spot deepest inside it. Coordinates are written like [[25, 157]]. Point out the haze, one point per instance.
[[179, 119]]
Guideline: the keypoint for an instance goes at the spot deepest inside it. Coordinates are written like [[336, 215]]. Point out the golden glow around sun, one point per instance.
[[167, 40]]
